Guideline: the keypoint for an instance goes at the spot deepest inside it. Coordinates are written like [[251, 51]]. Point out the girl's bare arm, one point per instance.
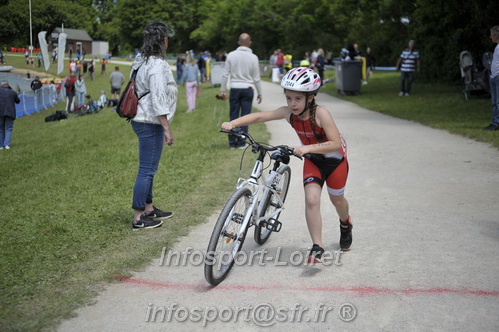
[[258, 117]]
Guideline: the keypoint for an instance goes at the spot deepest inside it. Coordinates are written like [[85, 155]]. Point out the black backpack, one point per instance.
[[58, 115]]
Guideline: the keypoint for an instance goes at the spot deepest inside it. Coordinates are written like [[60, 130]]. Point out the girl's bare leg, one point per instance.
[[341, 205], [313, 213]]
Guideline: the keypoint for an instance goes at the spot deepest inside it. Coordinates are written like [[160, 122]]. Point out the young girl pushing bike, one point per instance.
[[323, 147]]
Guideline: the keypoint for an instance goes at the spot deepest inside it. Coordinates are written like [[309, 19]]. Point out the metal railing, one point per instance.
[[35, 101]]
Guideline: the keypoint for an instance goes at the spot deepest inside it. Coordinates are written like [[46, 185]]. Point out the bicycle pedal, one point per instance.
[[238, 218], [273, 225]]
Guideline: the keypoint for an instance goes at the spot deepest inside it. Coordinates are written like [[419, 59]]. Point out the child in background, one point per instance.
[[102, 101], [53, 91], [91, 70], [191, 79], [103, 63]]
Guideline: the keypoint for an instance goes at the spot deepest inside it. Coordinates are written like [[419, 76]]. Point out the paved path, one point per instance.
[[425, 255]]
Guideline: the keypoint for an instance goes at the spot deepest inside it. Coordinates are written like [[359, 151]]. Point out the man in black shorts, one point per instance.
[[116, 79]]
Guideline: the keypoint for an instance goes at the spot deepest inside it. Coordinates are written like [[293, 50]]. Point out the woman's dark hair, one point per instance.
[[154, 34]]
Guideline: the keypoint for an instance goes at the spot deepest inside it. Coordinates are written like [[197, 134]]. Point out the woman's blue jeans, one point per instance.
[[6, 127], [151, 141]]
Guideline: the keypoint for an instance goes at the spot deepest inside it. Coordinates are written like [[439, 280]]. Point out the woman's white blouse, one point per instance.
[[155, 76]]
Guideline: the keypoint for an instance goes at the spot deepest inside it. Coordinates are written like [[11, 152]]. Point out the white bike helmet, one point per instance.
[[301, 79]]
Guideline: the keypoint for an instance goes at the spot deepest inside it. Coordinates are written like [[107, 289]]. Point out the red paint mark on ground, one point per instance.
[[332, 289]]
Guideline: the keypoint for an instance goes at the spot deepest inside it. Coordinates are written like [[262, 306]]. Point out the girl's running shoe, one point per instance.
[[315, 255], [346, 234]]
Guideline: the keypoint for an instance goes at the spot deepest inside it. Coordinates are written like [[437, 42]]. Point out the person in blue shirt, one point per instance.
[[180, 68]]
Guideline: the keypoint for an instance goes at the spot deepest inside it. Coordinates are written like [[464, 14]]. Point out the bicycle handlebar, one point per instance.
[[259, 146]]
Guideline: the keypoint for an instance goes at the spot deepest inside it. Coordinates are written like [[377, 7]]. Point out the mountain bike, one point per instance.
[[257, 201]]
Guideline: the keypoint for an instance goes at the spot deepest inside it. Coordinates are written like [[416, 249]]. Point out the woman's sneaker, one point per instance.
[[346, 234], [315, 255], [145, 222], [158, 215]]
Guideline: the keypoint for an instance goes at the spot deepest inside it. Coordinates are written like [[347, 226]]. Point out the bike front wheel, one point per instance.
[[271, 203], [224, 242]]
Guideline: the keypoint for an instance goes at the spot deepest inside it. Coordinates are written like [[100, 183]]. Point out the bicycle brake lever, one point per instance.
[[232, 132], [290, 150], [314, 156]]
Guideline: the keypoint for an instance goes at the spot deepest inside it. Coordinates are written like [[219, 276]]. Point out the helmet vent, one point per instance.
[[301, 79], [302, 74]]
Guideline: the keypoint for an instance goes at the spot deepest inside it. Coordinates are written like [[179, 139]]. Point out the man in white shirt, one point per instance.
[[494, 80], [244, 72]]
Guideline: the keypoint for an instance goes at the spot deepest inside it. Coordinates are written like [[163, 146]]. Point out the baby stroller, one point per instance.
[[474, 81]]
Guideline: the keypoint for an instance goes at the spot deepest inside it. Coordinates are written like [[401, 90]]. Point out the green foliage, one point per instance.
[[442, 28], [438, 105], [45, 15], [445, 28], [132, 16]]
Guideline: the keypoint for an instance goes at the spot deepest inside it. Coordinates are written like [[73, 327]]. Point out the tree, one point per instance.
[[441, 28], [444, 29], [132, 15], [46, 15]]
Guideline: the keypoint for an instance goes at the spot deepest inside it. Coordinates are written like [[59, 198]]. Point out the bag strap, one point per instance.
[[145, 94], [132, 78], [134, 73]]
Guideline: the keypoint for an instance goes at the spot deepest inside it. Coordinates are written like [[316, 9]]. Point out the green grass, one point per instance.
[[66, 196], [440, 106], [66, 189]]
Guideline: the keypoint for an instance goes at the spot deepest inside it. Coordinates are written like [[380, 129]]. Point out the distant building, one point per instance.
[[100, 48], [77, 40]]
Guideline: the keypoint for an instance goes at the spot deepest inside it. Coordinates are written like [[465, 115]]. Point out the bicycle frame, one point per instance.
[[257, 201], [253, 183]]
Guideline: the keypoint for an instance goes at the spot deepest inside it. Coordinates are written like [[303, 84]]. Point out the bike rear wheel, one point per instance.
[[271, 203], [224, 243]]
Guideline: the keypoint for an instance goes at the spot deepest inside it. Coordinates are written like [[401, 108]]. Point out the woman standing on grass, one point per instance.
[[155, 110], [320, 137]]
